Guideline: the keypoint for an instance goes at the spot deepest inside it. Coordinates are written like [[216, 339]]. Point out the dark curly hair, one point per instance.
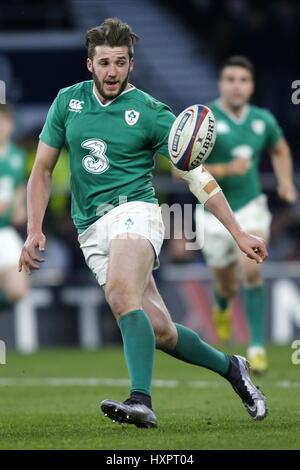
[[112, 32]]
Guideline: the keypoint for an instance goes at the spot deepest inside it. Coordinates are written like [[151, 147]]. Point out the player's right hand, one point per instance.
[[29, 259], [254, 247], [238, 166]]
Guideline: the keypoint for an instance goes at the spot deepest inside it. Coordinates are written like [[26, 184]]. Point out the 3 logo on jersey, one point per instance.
[[245, 152], [96, 161]]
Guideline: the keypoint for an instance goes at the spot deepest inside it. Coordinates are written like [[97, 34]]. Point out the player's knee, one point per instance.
[[120, 299], [229, 290], [165, 336], [252, 278], [13, 295]]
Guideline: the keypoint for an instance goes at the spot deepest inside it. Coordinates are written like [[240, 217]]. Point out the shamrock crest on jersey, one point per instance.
[[96, 161], [131, 117], [129, 222], [258, 126]]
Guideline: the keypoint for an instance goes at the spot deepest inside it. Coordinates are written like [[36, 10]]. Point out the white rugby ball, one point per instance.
[[192, 137]]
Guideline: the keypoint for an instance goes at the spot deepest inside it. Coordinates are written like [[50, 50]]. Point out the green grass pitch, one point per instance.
[[50, 400]]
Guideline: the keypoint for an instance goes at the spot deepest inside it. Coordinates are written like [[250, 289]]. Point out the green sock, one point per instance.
[[220, 301], [192, 349], [255, 306], [139, 347]]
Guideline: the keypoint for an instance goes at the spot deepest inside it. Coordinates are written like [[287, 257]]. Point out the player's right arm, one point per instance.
[[38, 193], [203, 185]]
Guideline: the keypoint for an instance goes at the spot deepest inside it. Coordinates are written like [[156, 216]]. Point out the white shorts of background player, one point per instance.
[[219, 247], [10, 248]]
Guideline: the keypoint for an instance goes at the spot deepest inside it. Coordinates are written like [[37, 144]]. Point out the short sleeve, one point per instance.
[[274, 131], [163, 123], [53, 132]]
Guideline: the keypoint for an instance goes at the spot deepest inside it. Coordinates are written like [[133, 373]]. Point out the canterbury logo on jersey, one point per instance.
[[96, 161], [76, 106]]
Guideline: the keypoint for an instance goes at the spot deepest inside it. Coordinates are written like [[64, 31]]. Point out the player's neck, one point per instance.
[[105, 100], [236, 112]]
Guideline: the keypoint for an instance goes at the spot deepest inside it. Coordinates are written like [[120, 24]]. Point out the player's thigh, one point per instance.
[[154, 306], [13, 283], [130, 263], [136, 233]]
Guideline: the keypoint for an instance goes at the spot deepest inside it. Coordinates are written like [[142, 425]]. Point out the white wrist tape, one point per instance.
[[201, 183]]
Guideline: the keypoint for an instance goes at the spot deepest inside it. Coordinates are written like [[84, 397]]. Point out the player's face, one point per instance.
[[110, 68], [236, 86], [6, 128]]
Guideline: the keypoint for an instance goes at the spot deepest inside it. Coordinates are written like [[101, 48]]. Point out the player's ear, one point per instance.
[[252, 87], [131, 65], [89, 65]]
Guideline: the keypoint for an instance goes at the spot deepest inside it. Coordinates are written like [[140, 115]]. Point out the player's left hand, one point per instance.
[[287, 191], [254, 247], [29, 259]]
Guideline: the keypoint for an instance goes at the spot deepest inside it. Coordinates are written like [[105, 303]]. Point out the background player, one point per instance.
[[243, 132], [112, 131], [13, 285]]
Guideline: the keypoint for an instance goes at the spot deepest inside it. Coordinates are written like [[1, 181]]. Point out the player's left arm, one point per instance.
[[203, 185], [283, 168], [19, 209]]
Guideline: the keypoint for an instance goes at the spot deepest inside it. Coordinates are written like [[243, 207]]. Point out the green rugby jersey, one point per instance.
[[12, 164], [245, 138], [111, 147]]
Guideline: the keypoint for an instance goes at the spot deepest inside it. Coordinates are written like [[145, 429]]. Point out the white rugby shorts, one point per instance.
[[10, 247], [219, 247], [141, 218]]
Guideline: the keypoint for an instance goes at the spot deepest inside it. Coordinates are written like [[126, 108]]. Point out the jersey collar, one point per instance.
[[132, 87], [231, 116]]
